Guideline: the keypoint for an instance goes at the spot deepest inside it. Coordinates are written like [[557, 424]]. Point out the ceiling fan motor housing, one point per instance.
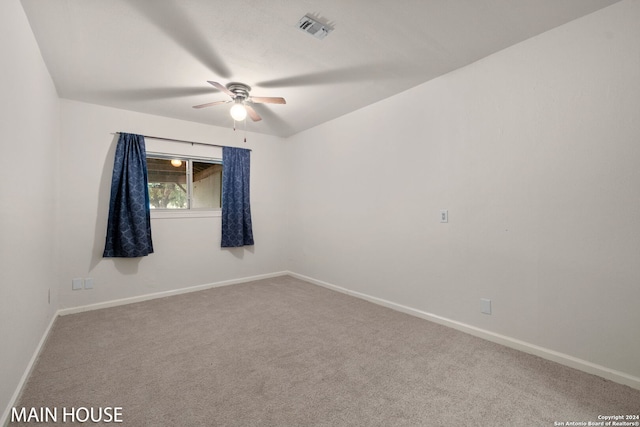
[[240, 90]]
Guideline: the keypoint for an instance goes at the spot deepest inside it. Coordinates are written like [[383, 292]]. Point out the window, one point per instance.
[[184, 183]]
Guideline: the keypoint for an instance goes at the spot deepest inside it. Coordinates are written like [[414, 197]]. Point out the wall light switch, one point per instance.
[[485, 305], [76, 284], [88, 283], [444, 215]]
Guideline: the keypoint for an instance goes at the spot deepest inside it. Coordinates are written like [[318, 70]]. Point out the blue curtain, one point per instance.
[[129, 226], [236, 211]]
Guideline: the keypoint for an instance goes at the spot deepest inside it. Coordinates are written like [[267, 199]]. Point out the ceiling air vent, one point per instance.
[[314, 27]]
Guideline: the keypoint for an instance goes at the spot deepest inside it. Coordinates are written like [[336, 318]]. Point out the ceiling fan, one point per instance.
[[239, 93]]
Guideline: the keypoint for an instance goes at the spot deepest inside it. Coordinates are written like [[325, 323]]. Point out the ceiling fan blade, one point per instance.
[[221, 88], [267, 100], [210, 104], [174, 21], [252, 113]]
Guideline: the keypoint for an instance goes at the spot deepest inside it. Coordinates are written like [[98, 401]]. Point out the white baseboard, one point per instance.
[[545, 353], [146, 297], [4, 420]]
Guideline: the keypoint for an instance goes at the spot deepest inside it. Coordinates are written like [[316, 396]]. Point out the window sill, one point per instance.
[[194, 213]]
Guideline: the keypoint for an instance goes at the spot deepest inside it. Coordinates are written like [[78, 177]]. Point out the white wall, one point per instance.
[[535, 152], [187, 250], [29, 114]]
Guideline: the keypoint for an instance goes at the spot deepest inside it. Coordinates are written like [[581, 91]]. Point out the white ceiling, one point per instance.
[[155, 56]]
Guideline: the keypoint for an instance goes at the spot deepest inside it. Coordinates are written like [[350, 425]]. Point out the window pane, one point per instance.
[[207, 185], [167, 183]]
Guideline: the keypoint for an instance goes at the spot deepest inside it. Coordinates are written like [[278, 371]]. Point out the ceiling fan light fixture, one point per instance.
[[238, 112], [239, 94]]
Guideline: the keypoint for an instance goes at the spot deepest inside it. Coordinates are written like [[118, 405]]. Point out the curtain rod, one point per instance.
[[182, 140]]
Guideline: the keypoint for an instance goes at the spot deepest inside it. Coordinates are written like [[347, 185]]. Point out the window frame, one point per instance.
[[189, 211]]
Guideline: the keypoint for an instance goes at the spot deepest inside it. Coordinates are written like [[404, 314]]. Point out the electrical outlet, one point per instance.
[[444, 215], [76, 284], [485, 305]]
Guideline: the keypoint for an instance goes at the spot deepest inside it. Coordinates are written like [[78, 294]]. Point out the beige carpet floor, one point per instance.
[[282, 352]]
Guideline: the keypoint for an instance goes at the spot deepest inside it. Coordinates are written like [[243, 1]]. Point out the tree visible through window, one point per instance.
[[183, 183]]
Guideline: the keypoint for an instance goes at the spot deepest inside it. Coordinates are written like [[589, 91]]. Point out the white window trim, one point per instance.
[[184, 213]]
